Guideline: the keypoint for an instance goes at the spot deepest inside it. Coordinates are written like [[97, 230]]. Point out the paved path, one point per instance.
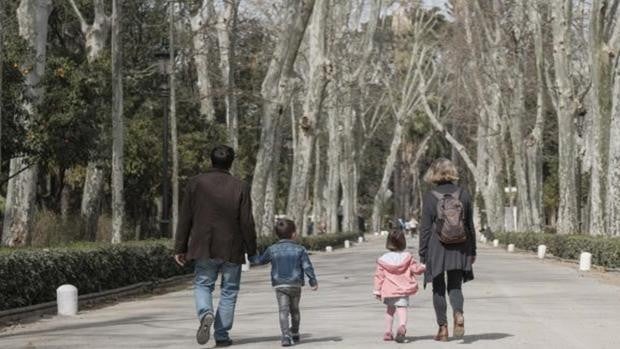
[[516, 301]]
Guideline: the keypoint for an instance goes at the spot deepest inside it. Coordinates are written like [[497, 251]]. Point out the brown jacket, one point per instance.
[[216, 220]]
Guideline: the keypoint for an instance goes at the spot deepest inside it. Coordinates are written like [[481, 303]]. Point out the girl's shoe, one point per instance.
[[387, 336], [442, 334], [400, 334], [459, 325]]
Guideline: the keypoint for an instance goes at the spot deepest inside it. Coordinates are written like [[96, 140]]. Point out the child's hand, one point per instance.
[[315, 287], [378, 297]]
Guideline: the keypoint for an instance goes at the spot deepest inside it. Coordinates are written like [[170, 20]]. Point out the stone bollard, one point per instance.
[[347, 244], [360, 239], [511, 247], [542, 249], [384, 233], [67, 300], [483, 239], [328, 249], [495, 243], [585, 261], [246, 266]]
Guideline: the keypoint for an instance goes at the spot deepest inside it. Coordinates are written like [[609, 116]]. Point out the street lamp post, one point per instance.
[[163, 64]]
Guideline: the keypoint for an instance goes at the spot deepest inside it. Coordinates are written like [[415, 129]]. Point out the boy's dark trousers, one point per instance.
[[288, 304]]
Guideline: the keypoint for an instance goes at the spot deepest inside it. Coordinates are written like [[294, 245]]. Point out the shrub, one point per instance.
[[605, 250], [31, 275]]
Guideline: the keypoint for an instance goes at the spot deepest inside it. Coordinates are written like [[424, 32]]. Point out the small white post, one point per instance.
[[246, 266], [328, 249], [384, 233], [542, 249], [511, 247], [483, 239], [67, 300], [495, 243], [347, 244], [585, 261], [360, 239]]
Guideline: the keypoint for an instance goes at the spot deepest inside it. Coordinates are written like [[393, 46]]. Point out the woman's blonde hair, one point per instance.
[[442, 170]]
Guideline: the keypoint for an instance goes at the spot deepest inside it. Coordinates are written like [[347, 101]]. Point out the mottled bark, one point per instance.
[[612, 198], [118, 129], [333, 166], [32, 16], [173, 126], [307, 126], [226, 24], [200, 23], [91, 199], [276, 91]]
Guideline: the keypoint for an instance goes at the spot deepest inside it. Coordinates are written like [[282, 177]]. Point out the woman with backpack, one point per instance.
[[447, 243]]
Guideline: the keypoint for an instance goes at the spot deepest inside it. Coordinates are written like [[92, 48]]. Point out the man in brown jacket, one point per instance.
[[216, 230]]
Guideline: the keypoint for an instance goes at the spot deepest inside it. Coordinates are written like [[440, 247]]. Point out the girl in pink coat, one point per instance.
[[395, 282]]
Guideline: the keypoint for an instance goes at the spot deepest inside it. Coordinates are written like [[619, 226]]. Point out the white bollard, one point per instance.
[[246, 266], [360, 239], [495, 243], [384, 233], [542, 249], [483, 239], [511, 248], [328, 249], [347, 243], [67, 300], [585, 261]]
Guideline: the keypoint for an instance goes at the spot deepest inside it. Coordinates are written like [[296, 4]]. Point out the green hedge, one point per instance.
[[605, 250], [31, 276]]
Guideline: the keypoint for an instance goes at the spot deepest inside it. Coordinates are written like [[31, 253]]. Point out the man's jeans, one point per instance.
[[288, 304], [205, 275]]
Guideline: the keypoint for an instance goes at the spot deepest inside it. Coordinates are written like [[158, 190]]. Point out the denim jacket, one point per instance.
[[289, 263]]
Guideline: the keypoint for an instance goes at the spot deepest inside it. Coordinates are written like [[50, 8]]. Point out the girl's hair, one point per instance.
[[396, 241], [441, 170]]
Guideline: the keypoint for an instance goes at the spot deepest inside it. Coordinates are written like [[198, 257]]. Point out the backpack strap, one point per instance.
[[457, 194], [437, 194]]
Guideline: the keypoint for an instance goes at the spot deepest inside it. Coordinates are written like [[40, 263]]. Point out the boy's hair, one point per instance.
[[396, 241], [222, 157], [285, 228]]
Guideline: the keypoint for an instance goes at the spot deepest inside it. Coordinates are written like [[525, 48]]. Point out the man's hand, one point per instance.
[[315, 287], [180, 259], [472, 259]]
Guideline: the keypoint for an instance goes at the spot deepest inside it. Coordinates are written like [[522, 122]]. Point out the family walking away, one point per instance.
[[289, 264]]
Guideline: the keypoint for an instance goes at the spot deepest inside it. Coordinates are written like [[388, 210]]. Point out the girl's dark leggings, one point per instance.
[[455, 280]]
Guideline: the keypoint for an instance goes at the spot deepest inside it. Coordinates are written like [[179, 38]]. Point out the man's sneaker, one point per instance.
[[400, 334], [204, 331], [223, 343], [287, 341], [296, 337]]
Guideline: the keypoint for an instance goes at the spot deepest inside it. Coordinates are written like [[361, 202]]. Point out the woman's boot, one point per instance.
[[442, 334]]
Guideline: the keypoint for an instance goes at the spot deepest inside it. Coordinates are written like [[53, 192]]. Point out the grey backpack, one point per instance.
[[450, 224]]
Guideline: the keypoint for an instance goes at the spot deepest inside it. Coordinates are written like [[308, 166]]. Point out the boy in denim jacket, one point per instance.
[[289, 263]]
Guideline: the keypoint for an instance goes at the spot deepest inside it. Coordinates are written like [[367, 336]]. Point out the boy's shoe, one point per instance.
[[459, 325], [296, 337], [287, 341], [204, 330], [387, 336], [400, 334], [224, 343]]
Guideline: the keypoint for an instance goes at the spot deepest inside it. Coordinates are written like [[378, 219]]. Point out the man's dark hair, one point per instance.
[[285, 228], [396, 241], [222, 157]]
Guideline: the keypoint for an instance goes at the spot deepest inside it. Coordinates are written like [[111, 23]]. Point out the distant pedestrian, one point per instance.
[[289, 263], [395, 282], [447, 243], [216, 229]]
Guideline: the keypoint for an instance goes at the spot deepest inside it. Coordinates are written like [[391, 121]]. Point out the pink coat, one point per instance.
[[395, 275]]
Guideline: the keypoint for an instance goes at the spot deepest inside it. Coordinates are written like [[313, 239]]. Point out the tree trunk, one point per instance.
[[612, 198], [226, 25], [317, 188], [173, 128], [332, 194], [96, 36], [200, 23], [32, 16], [118, 130], [276, 92], [308, 125], [271, 189], [1, 75], [379, 199], [347, 169], [568, 214]]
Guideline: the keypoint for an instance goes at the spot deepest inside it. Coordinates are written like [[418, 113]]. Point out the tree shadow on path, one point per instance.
[[304, 339], [467, 339]]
